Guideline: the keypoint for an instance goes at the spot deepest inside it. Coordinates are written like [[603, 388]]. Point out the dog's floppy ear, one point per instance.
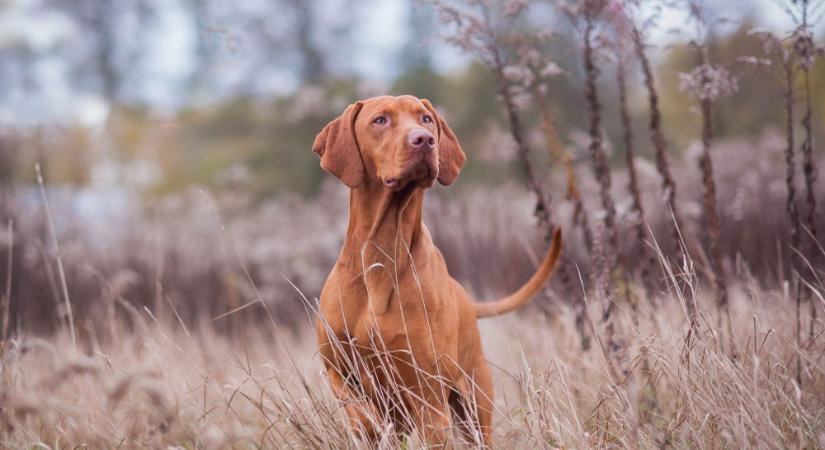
[[451, 157], [338, 148]]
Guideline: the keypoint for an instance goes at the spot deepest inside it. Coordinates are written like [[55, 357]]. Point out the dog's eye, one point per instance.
[[427, 118], [380, 120]]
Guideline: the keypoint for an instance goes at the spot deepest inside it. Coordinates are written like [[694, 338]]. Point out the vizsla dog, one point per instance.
[[397, 334]]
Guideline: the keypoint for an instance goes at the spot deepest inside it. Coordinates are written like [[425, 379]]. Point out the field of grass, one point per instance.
[[165, 385]]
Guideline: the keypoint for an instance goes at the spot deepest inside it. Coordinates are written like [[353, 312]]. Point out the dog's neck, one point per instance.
[[384, 226]]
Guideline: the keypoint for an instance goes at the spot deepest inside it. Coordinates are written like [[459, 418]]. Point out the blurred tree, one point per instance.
[[313, 67], [418, 77], [111, 45], [416, 53], [200, 14], [297, 41]]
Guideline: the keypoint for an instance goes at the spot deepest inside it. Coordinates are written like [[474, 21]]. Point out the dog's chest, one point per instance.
[[391, 319], [381, 304], [404, 320]]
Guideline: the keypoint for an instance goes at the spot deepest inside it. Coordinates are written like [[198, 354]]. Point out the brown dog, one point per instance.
[[397, 334]]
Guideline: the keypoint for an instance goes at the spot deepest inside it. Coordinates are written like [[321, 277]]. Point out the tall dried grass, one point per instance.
[[168, 386]]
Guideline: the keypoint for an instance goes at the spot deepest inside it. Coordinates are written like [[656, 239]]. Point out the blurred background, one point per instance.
[[174, 141]]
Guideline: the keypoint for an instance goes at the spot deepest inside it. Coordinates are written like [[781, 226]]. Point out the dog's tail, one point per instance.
[[530, 288]]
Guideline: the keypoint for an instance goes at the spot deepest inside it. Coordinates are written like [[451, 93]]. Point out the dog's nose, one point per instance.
[[420, 140]]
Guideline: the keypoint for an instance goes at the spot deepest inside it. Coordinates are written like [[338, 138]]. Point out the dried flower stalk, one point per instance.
[[645, 256], [597, 153], [711, 214], [5, 300], [807, 52], [790, 183], [657, 136], [774, 45]]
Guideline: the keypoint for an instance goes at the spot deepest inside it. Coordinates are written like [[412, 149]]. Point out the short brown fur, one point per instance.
[[397, 334]]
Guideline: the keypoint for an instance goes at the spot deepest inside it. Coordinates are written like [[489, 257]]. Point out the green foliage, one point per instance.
[[244, 144]]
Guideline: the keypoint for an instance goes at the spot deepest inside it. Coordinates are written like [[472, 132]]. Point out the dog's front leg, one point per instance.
[[433, 419], [363, 415]]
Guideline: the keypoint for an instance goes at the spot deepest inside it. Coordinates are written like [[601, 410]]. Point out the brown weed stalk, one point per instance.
[[708, 83], [709, 198], [790, 184], [658, 138], [774, 45], [807, 52], [788, 95], [645, 256], [605, 246], [711, 214], [798, 53], [5, 300], [592, 9]]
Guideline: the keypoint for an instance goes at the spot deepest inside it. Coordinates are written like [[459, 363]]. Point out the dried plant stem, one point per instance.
[[808, 166], [61, 272], [159, 264], [809, 170], [646, 260], [600, 167], [790, 174], [711, 214], [607, 239], [657, 137], [543, 200], [790, 206], [6, 300], [712, 217]]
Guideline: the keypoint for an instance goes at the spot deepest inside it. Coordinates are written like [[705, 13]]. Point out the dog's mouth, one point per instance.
[[423, 172]]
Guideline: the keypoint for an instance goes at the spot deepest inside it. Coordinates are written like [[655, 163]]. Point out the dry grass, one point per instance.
[[164, 385]]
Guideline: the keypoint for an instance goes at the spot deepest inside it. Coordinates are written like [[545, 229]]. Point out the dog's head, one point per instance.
[[393, 141]]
